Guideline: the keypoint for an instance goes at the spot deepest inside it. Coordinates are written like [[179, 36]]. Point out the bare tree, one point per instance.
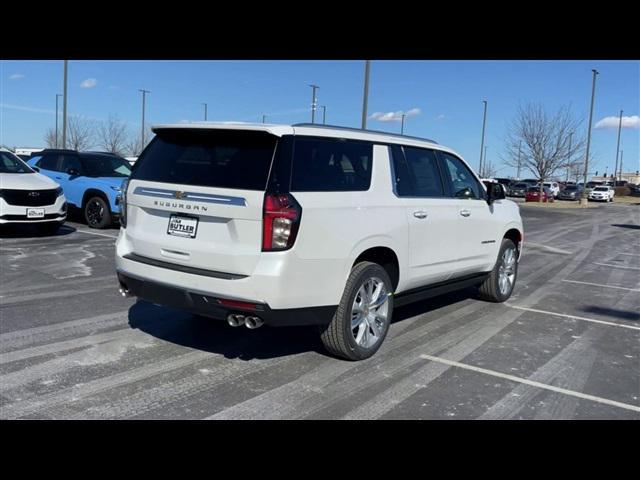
[[545, 141], [50, 138], [132, 146], [112, 135], [81, 133]]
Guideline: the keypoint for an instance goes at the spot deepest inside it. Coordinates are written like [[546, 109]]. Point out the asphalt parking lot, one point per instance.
[[565, 346]]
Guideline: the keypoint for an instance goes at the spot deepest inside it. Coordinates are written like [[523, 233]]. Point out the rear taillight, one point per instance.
[[280, 221], [122, 203]]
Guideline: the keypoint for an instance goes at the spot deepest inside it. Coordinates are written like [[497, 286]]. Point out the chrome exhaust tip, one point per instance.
[[235, 320], [124, 291], [253, 322]]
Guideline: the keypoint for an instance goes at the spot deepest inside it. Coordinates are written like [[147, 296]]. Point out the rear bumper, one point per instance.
[[209, 304]]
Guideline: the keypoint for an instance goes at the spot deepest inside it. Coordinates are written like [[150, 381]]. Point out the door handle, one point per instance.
[[465, 213], [420, 214]]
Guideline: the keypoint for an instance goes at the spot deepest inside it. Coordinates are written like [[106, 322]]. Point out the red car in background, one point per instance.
[[533, 194]]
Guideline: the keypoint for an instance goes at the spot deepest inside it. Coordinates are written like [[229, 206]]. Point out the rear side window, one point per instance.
[[331, 165], [423, 167], [210, 158]]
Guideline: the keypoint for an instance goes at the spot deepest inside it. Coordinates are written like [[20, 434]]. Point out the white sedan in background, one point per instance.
[[602, 193]]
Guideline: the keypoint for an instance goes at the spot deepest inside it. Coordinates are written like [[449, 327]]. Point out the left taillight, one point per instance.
[[280, 221], [122, 203]]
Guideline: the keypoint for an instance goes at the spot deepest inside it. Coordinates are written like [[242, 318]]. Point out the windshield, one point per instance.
[[520, 185], [600, 189], [106, 166], [9, 163], [570, 187]]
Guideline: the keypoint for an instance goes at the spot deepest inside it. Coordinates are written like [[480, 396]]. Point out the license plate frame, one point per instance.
[[177, 221], [35, 213]]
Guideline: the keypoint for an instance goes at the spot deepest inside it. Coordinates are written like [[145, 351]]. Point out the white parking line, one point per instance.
[[600, 285], [617, 266], [573, 317], [548, 248], [96, 233], [532, 383]]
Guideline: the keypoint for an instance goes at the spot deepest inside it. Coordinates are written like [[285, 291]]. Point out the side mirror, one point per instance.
[[494, 192], [73, 172]]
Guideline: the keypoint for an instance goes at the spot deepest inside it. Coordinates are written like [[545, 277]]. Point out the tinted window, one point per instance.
[[325, 165], [210, 158], [422, 167], [105, 166], [11, 164], [70, 161], [462, 180], [49, 162]]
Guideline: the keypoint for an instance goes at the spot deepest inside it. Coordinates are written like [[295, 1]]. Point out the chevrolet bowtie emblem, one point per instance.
[[180, 195]]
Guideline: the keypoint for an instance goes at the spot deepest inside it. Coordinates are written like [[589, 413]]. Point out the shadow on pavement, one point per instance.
[[216, 336], [634, 227], [613, 312], [31, 231]]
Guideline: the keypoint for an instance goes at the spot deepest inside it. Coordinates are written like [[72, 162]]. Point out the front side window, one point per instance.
[[105, 166], [463, 183], [331, 165], [49, 162], [11, 164]]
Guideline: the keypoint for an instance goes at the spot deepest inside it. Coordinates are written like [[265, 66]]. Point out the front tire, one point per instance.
[[97, 213], [363, 316], [499, 286]]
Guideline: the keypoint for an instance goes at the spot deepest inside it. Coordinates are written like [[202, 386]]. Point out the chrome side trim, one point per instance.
[[196, 196]]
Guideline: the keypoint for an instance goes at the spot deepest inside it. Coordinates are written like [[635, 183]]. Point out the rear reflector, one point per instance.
[[237, 304]]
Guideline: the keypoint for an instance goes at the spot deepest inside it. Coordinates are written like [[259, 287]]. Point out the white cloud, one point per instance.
[[613, 122], [89, 83], [441, 117], [16, 76], [394, 116]]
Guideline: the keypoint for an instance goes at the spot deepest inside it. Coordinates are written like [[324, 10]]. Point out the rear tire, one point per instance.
[[97, 213], [362, 319], [499, 286]]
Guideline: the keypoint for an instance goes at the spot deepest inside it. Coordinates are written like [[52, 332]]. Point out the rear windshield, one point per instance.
[[208, 158], [521, 185], [571, 187]]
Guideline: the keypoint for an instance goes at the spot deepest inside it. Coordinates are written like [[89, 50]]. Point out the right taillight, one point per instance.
[[280, 221]]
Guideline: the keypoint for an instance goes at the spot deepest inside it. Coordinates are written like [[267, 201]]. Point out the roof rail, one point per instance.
[[351, 129]]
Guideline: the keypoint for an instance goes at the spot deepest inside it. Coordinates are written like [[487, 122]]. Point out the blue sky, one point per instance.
[[448, 95]]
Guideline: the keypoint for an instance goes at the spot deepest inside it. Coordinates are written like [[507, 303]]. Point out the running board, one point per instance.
[[422, 293]]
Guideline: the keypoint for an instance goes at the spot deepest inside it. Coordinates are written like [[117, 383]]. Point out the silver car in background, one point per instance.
[[570, 192]]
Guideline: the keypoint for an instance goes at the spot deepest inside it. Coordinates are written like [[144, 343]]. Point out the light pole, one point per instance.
[[615, 171], [402, 125], [144, 95], [365, 96], [64, 107], [264, 118], [57, 95], [569, 157], [313, 103], [583, 198], [621, 152], [324, 114], [519, 150], [484, 122], [205, 111], [484, 162]]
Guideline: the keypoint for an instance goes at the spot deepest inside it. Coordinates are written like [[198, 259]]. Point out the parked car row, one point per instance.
[[40, 190]]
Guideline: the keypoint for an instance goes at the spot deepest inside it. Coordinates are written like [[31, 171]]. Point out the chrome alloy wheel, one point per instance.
[[507, 271], [369, 312]]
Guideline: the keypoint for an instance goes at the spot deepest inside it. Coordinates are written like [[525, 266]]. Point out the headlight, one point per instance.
[[117, 189], [59, 192]]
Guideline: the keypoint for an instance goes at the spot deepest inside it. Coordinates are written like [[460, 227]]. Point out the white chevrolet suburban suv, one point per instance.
[[310, 225]]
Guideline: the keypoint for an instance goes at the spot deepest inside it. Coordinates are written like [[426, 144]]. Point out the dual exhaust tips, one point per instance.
[[236, 320]]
